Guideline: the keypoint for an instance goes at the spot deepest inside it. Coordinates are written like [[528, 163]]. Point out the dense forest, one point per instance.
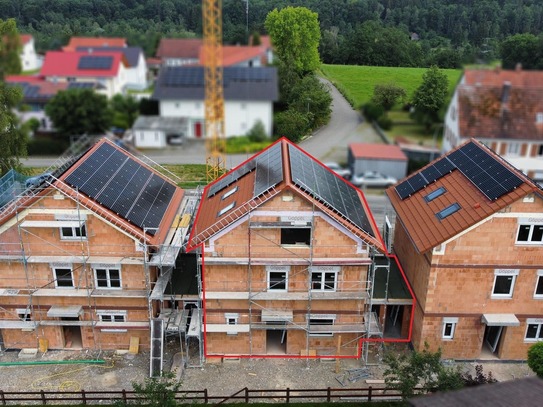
[[448, 30]]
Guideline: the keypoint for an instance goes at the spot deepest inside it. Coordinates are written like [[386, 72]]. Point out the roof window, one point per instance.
[[434, 194], [230, 193], [226, 209], [449, 210]]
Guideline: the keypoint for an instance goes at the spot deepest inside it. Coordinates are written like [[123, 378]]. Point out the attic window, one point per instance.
[[434, 194], [230, 193], [539, 117], [226, 209], [449, 210]]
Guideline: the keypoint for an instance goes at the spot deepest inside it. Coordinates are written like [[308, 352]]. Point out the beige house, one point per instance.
[[469, 235]]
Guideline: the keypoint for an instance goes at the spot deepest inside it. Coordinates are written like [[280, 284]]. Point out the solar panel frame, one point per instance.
[[91, 62]]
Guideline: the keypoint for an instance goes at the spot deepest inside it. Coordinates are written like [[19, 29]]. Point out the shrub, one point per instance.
[[33, 124], [535, 358], [480, 377], [384, 122], [292, 124], [372, 111], [257, 132], [40, 146]]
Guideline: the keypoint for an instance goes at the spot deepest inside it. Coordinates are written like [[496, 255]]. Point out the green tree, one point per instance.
[[521, 48], [406, 371], [311, 96], [430, 96], [292, 124], [295, 34], [79, 111], [10, 45], [156, 391], [535, 358], [387, 95], [125, 110]]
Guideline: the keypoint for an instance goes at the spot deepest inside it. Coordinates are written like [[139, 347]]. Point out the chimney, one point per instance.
[[518, 67], [506, 90]]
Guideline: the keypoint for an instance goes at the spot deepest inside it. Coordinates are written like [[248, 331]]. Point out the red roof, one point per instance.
[[63, 64], [92, 42], [188, 48], [497, 77], [233, 55], [25, 38], [377, 151]]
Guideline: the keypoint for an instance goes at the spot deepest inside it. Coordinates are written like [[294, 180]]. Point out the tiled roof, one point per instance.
[[131, 54], [419, 217], [63, 64], [276, 169], [501, 112], [497, 77], [188, 48], [37, 89], [240, 83], [76, 42], [25, 38], [233, 55], [377, 151]]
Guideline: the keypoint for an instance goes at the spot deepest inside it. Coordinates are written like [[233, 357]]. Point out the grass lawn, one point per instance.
[[190, 175], [356, 83]]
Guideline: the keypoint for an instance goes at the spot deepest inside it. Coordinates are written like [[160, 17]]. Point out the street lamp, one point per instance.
[[308, 100]]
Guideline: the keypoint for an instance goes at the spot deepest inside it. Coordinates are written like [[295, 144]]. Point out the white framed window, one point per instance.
[[111, 318], [530, 233], [230, 193], [449, 326], [539, 117], [231, 318], [318, 324], [63, 277], [504, 283], [107, 277], [277, 278], [538, 291], [73, 232], [226, 209], [324, 278], [513, 148], [534, 330], [24, 314]]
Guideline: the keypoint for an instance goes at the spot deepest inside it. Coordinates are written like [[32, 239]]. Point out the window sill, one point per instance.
[[500, 297]]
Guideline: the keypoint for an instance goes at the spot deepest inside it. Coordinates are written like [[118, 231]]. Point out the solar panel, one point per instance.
[[124, 186], [269, 169], [95, 62], [328, 188]]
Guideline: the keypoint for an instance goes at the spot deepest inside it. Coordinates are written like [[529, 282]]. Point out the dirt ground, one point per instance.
[[220, 378]]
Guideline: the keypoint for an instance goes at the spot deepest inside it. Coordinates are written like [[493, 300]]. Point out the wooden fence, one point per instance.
[[201, 396]]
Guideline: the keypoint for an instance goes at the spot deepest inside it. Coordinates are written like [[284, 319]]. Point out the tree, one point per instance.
[[311, 96], [125, 111], [521, 48], [10, 45], [156, 391], [430, 96], [292, 124], [13, 138], [79, 111], [535, 358], [295, 34], [405, 371], [387, 95]]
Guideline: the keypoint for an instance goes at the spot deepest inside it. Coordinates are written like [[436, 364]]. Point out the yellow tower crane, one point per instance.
[[214, 98]]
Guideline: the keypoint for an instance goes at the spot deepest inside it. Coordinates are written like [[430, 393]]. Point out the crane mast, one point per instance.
[[214, 98]]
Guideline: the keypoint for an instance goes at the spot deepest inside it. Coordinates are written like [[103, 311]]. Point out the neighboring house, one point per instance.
[[469, 235], [238, 56], [93, 42], [30, 61], [136, 69], [158, 132], [249, 94], [108, 70], [386, 159], [265, 43], [85, 258], [292, 263], [179, 51], [504, 110]]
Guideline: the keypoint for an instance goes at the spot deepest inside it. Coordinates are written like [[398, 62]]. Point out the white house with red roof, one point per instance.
[[30, 60], [108, 70]]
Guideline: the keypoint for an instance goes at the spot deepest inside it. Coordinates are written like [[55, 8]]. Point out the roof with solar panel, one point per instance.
[[77, 64], [281, 166], [455, 192]]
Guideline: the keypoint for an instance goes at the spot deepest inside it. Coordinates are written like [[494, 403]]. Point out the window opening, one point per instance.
[[298, 236]]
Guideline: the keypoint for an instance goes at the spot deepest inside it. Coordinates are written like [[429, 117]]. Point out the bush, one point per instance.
[[480, 377], [257, 132], [384, 122], [33, 124], [372, 111], [292, 124], [535, 358], [41, 146]]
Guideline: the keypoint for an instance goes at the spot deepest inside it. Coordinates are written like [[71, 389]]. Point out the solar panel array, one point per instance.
[[95, 62], [269, 172], [194, 76], [328, 188], [124, 186], [484, 171]]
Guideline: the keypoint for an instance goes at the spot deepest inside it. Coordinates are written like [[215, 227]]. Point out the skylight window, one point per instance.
[[226, 209], [449, 210], [433, 195], [230, 193]]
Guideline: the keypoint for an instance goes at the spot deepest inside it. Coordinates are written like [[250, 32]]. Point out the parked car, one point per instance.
[[339, 170], [35, 182], [373, 179]]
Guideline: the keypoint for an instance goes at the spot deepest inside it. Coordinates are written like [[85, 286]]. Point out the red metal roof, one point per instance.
[[63, 64], [377, 151], [94, 42]]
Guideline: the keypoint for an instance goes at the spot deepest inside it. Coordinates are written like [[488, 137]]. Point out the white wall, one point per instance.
[[451, 129], [29, 59], [149, 138], [136, 77]]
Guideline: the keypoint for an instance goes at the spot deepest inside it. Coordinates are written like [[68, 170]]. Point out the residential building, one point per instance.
[[386, 159], [238, 56], [179, 51], [249, 94], [86, 255], [108, 70], [293, 264], [504, 110], [469, 235], [30, 60], [158, 132], [93, 42]]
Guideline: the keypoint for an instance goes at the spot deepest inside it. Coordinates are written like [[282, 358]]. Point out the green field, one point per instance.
[[356, 83]]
